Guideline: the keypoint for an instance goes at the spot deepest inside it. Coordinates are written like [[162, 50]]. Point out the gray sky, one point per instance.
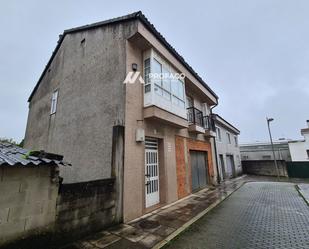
[[254, 54]]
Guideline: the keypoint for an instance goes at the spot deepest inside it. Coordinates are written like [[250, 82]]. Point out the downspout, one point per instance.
[[215, 146]]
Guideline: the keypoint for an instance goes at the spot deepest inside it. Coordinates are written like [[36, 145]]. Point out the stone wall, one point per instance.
[[28, 197], [264, 167], [85, 207]]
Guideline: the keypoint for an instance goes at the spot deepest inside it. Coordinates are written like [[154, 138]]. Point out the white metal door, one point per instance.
[[151, 172]]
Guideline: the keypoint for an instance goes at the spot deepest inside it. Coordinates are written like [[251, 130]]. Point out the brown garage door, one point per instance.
[[198, 169]]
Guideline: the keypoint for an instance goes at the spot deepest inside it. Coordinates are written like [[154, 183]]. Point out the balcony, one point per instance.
[[198, 123]]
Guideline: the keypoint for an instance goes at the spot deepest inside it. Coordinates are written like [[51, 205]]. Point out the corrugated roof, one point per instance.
[[11, 155], [136, 15]]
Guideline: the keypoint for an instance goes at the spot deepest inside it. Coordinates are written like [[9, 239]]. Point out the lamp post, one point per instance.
[[272, 146]]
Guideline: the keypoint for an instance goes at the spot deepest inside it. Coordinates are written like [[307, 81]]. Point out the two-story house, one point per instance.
[[227, 148], [168, 137]]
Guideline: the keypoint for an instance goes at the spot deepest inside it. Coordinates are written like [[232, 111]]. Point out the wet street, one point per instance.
[[258, 215]]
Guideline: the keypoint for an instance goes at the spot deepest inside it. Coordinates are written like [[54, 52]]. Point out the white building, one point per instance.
[[228, 154], [299, 149]]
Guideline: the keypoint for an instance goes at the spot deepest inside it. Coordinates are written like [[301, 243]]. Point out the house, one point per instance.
[[263, 151], [258, 158], [299, 149], [228, 153], [154, 135]]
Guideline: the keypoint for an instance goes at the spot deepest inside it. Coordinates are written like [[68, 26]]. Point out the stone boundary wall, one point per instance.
[[85, 207], [28, 197], [264, 167]]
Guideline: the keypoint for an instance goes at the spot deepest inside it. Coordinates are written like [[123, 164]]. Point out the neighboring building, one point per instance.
[[263, 151], [80, 102], [228, 154], [299, 149]]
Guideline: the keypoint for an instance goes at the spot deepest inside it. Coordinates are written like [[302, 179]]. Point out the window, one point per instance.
[[308, 153], [178, 93], [218, 130], [54, 100], [228, 137], [169, 88], [189, 102], [266, 157], [236, 141], [146, 75]]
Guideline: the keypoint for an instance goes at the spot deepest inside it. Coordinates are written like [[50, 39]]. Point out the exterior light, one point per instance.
[[134, 67]]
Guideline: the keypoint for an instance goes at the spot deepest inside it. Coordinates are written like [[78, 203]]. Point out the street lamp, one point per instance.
[[272, 146]]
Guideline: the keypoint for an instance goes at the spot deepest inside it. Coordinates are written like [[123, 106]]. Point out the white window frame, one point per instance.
[[54, 101], [219, 134]]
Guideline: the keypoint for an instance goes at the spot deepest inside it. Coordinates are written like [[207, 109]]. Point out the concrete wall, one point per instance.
[[225, 148], [298, 151], [28, 199], [89, 76], [265, 167], [83, 208]]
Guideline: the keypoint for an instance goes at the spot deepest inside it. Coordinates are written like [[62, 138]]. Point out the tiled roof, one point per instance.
[[136, 15], [11, 155]]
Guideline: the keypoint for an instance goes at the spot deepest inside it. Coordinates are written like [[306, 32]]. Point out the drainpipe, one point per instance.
[[215, 146]]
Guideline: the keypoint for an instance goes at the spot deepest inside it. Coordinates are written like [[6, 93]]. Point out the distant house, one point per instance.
[[228, 154], [299, 149], [263, 151]]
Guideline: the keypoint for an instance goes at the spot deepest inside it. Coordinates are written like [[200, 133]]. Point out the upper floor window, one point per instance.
[[228, 137], [218, 130], [54, 100], [308, 153], [236, 141], [169, 88]]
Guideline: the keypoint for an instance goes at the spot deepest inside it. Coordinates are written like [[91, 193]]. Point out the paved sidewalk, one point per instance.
[[160, 226], [303, 189]]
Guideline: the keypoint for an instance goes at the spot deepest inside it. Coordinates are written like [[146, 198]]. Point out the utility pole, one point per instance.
[[272, 146]]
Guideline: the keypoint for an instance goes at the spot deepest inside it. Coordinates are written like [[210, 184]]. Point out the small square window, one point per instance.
[[54, 100]]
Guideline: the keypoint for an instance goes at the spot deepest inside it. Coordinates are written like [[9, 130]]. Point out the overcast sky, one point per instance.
[[253, 54]]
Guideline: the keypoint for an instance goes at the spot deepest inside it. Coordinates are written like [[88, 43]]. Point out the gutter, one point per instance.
[[215, 146]]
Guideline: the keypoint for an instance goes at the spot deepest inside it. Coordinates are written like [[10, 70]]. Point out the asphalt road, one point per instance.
[[258, 215]]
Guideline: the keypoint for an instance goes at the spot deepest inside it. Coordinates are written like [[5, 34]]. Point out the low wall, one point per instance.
[[85, 207], [28, 197], [264, 167], [38, 212]]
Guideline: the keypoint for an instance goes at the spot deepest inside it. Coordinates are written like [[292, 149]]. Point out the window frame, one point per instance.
[[54, 102], [229, 138]]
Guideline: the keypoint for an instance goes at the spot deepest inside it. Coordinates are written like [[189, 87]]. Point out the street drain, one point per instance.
[[149, 224]]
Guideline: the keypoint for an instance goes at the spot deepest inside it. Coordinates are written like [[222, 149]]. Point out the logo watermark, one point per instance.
[[135, 77]]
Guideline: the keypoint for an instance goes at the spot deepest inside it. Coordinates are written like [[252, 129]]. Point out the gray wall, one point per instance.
[[264, 152], [224, 148], [28, 199], [91, 99], [265, 167]]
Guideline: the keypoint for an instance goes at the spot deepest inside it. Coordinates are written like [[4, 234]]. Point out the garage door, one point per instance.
[[198, 169]]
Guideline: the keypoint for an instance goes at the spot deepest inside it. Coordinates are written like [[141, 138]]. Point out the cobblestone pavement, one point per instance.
[[258, 215]]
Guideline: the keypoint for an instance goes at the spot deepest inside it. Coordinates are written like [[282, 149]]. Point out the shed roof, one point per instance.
[[138, 16], [12, 155]]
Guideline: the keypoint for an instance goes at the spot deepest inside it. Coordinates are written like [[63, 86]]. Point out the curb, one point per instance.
[[302, 194], [193, 220]]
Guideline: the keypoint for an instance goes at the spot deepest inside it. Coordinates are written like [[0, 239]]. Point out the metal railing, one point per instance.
[[196, 117]]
